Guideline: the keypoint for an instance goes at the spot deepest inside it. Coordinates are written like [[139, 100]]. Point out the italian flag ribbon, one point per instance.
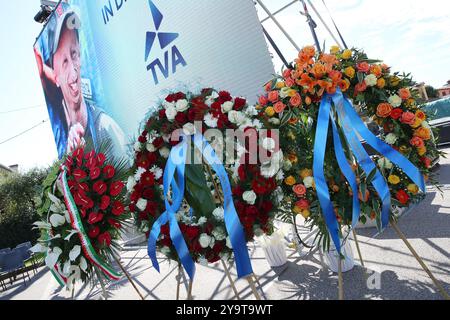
[[77, 225]]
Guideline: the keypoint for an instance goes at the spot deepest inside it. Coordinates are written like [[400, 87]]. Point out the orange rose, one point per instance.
[[381, 83], [293, 158], [376, 70], [421, 115], [296, 100], [268, 86], [309, 51], [318, 70], [423, 133], [299, 190], [384, 110], [404, 93], [308, 100], [417, 142], [279, 107], [305, 173], [273, 96], [344, 85]]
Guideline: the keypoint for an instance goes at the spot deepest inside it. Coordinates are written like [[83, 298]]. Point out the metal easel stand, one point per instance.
[[128, 277]]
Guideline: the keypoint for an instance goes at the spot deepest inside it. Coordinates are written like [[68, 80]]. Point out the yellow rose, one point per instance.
[[270, 111], [393, 179], [280, 85], [291, 93], [381, 83], [413, 189], [422, 151], [404, 149], [290, 181], [305, 173], [258, 107], [395, 81], [305, 214], [350, 72], [293, 158], [335, 49], [411, 102], [297, 210], [347, 54], [421, 115], [417, 123]]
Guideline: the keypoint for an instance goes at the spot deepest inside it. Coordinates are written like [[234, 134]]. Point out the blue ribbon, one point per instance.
[[232, 223], [352, 125]]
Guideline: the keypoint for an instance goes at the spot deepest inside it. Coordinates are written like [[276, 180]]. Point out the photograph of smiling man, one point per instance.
[[75, 120]]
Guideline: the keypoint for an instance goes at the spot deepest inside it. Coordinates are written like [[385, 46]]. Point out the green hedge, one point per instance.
[[18, 194]]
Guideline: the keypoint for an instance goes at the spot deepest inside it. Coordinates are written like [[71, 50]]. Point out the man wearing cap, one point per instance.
[[85, 122]]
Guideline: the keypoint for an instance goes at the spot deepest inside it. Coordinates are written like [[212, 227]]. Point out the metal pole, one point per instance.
[[325, 24], [178, 281], [357, 248], [275, 47], [253, 287], [442, 291], [312, 25], [340, 280], [278, 11], [128, 277], [227, 272], [278, 25]]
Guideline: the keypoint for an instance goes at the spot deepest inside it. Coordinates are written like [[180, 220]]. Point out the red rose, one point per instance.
[[148, 179], [396, 113], [195, 246], [181, 118], [218, 247], [151, 208], [101, 159], [116, 188], [165, 230], [238, 191], [118, 208], [94, 232], [240, 207], [104, 202], [109, 171], [427, 162], [239, 104], [158, 142], [95, 217], [180, 95], [402, 196], [241, 172], [224, 96], [216, 109], [116, 224], [79, 174], [267, 207], [170, 98], [162, 114], [192, 232], [151, 158], [209, 227], [166, 241], [105, 239], [132, 207], [262, 186], [302, 204], [142, 139], [100, 187], [148, 194], [95, 173], [251, 211]]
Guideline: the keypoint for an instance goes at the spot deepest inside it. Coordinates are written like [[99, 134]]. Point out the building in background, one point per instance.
[[4, 170], [445, 90]]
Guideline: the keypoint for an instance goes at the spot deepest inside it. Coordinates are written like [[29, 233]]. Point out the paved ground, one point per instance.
[[304, 277]]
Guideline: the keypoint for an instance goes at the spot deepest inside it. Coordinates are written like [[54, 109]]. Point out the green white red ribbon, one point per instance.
[[77, 224]]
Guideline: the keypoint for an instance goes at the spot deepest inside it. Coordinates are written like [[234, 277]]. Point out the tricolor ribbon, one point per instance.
[[77, 225], [174, 177], [352, 125]]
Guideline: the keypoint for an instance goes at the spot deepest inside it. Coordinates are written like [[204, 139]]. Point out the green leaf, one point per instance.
[[371, 176], [197, 193]]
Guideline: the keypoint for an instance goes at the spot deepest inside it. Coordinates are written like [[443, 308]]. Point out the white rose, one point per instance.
[[168, 105], [189, 129], [371, 80], [251, 111], [202, 221], [227, 106], [395, 101], [229, 245], [275, 121], [218, 214], [269, 144], [137, 146], [219, 233], [385, 163], [236, 117], [74, 253], [164, 152], [141, 204], [308, 182], [257, 124], [150, 147], [205, 240], [249, 197], [391, 139], [171, 113], [182, 105], [131, 183], [57, 220], [210, 121]]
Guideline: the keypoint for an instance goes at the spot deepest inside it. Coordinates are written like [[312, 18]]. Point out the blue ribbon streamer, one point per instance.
[[352, 125], [232, 223]]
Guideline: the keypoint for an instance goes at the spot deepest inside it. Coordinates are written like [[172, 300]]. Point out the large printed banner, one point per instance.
[[104, 63]]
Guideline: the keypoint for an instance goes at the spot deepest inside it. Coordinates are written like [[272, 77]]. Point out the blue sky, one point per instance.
[[410, 35]]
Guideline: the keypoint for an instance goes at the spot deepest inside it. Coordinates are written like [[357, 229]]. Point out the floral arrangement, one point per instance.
[[201, 217], [291, 104], [82, 216]]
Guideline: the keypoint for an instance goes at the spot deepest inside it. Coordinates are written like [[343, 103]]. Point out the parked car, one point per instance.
[[439, 117]]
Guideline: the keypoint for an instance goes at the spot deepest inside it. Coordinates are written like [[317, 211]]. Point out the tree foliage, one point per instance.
[[18, 194]]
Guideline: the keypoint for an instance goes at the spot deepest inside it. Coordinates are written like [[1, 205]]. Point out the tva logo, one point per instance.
[[172, 56]]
